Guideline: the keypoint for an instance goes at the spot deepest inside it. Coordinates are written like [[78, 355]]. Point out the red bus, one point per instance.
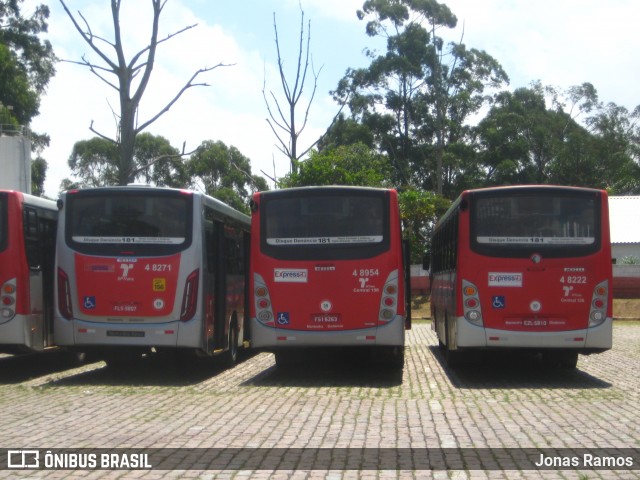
[[328, 269], [27, 249], [141, 268], [523, 267]]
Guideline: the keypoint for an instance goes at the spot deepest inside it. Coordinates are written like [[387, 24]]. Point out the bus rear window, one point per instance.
[[126, 219], [325, 226], [528, 222]]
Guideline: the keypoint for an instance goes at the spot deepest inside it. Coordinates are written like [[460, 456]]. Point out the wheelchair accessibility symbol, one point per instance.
[[283, 318], [498, 301], [89, 303]]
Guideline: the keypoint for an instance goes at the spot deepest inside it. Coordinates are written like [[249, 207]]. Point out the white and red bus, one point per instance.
[[327, 270], [27, 249], [141, 267], [523, 267]]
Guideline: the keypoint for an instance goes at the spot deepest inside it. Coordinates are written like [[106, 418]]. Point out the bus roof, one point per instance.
[[319, 188], [32, 199], [208, 200]]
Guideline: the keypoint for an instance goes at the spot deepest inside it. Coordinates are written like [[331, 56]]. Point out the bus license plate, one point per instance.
[[535, 322], [121, 333], [325, 318]]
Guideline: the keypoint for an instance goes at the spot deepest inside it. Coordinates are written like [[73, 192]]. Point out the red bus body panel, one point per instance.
[[329, 302]]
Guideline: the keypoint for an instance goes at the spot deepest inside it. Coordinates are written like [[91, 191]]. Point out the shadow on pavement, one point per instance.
[[513, 370], [330, 368], [152, 370], [25, 367]]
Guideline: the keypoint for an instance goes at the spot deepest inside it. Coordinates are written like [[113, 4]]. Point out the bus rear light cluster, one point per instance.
[[8, 300], [261, 300], [599, 301], [190, 296], [471, 303], [389, 300], [64, 295]]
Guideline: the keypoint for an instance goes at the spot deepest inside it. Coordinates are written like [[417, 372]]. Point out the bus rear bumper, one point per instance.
[[391, 334], [82, 333], [23, 331], [590, 339]]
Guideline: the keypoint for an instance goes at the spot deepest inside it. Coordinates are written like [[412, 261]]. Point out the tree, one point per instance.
[[532, 135], [419, 211], [38, 176], [359, 165], [95, 162], [132, 78], [27, 63], [417, 97], [282, 117], [354, 164], [224, 173]]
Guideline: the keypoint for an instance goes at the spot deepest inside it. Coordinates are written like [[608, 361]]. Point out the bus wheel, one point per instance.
[[231, 355]]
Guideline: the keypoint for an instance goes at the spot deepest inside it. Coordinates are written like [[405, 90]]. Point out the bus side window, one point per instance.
[[209, 239], [233, 253], [32, 238]]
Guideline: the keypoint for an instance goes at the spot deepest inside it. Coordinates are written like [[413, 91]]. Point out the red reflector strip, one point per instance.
[[370, 337], [578, 339], [169, 332], [82, 330], [494, 338]]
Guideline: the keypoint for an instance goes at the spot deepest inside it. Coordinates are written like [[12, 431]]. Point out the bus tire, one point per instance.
[[231, 355]]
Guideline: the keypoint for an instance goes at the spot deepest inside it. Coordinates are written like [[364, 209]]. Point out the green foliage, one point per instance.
[[95, 162], [416, 97], [15, 91], [26, 61], [354, 164], [419, 211], [528, 137], [224, 173], [38, 176]]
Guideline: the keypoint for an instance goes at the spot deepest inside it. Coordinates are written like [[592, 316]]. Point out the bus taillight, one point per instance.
[[389, 300], [261, 300], [64, 295], [190, 296], [598, 311], [471, 303], [8, 303]]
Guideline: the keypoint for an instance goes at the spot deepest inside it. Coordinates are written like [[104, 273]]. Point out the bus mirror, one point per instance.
[[59, 204], [253, 205]]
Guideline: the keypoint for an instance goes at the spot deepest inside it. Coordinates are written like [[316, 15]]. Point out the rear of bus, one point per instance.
[[327, 270], [27, 242], [14, 273], [128, 269], [534, 271]]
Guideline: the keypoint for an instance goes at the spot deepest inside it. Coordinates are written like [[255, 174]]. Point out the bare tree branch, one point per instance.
[[282, 122], [188, 85], [138, 68]]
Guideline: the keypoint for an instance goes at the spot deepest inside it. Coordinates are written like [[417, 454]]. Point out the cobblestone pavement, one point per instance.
[[494, 402]]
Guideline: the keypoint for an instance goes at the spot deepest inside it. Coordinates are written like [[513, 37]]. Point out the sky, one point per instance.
[[559, 42]]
